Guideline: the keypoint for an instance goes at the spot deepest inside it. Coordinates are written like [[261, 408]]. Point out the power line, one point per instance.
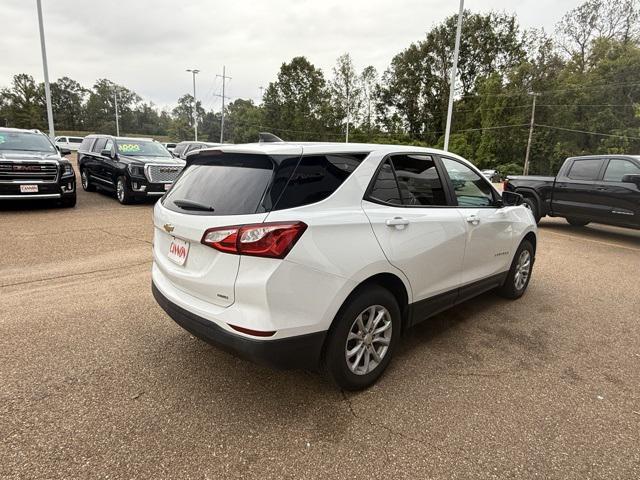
[[545, 92], [587, 132], [549, 105]]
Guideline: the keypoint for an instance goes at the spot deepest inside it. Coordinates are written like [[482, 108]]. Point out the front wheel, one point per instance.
[[576, 222], [361, 343], [519, 273], [123, 192]]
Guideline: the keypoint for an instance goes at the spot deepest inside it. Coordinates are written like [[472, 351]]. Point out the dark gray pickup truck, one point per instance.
[[598, 188]]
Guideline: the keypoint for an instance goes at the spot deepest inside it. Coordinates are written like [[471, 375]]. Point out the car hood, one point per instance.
[[159, 160], [21, 155]]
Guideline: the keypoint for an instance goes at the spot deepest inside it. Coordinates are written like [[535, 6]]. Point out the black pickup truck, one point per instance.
[[597, 188]]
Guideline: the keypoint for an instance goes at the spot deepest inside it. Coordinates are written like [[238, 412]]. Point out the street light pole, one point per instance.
[[195, 103], [115, 101], [454, 73], [224, 79], [533, 119], [47, 89]]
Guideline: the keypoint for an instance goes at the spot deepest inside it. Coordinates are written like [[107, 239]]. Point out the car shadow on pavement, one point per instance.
[[594, 231]]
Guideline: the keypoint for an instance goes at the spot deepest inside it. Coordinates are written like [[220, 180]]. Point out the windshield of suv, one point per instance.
[[25, 141], [142, 148]]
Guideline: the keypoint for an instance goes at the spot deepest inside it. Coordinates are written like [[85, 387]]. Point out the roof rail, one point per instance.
[[266, 137]]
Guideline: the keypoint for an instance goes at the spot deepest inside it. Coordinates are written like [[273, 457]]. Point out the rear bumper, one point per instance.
[[302, 351]]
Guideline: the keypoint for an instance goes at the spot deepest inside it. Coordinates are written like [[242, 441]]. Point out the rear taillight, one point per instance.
[[272, 240]]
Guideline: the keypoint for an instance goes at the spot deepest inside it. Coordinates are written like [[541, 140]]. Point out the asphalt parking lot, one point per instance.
[[97, 382]]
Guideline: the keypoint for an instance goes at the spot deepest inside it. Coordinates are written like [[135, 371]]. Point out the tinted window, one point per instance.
[[25, 141], [316, 177], [385, 188], [86, 144], [75, 140], [585, 169], [232, 184], [418, 180], [108, 145], [180, 148], [99, 145], [618, 168], [471, 189]]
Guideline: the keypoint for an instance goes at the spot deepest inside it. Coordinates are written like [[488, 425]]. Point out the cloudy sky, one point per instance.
[[146, 45]]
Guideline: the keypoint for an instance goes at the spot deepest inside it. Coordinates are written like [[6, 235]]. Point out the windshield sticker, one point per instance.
[[128, 147]]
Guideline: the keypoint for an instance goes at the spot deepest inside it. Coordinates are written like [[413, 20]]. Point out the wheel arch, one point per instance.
[[531, 193]]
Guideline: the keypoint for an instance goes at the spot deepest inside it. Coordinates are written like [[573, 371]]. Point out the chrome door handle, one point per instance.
[[397, 222], [473, 219]]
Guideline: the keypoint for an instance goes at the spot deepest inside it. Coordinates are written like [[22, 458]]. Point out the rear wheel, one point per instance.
[[123, 192], [361, 343], [519, 273], [576, 222], [532, 205], [87, 186]]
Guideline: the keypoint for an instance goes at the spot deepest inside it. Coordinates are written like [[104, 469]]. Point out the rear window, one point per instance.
[[75, 140], [180, 147], [585, 169], [85, 146], [241, 184], [232, 184]]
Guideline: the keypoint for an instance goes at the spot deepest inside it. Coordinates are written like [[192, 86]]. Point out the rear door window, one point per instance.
[[587, 169], [385, 187], [418, 180]]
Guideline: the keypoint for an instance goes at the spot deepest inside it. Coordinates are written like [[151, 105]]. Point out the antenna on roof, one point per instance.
[[266, 137]]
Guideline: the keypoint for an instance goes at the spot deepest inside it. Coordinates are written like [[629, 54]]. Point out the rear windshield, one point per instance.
[[240, 184]]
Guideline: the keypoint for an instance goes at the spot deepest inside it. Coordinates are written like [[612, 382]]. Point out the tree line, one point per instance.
[[586, 78]]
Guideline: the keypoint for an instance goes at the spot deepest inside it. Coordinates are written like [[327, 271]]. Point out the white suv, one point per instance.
[[308, 255]]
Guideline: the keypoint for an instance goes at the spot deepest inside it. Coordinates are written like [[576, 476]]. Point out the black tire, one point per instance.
[[124, 194], [511, 288], [335, 356], [68, 202], [85, 180], [576, 222], [532, 204]]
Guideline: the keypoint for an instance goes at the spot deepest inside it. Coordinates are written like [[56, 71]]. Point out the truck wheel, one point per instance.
[[532, 205], [123, 192], [576, 222], [362, 339], [87, 186], [519, 273]]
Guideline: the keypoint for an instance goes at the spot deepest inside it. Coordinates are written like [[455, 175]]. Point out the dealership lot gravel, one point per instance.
[[97, 382]]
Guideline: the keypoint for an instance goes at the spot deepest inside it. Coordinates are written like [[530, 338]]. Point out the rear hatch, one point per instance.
[[216, 189]]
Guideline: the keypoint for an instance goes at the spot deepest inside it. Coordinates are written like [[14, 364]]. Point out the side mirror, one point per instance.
[[511, 199], [64, 151], [106, 153], [631, 178]]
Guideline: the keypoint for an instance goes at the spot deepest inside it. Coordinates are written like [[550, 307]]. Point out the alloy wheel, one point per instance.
[[368, 340], [120, 190], [85, 180], [523, 269]]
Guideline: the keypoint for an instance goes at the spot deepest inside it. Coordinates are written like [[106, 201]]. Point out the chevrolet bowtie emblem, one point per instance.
[[168, 227]]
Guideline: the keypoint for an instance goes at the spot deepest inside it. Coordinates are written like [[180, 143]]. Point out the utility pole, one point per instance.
[[454, 73], [115, 98], [47, 88], [195, 103], [224, 78], [533, 119], [346, 140]]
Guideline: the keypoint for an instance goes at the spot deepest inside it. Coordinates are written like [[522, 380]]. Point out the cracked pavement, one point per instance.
[[97, 382]]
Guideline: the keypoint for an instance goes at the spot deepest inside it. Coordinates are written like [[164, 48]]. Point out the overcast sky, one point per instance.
[[146, 45]]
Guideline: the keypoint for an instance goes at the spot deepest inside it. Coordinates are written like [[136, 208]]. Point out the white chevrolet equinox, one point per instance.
[[321, 255]]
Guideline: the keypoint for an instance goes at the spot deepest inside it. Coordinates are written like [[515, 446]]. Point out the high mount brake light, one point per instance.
[[271, 240]]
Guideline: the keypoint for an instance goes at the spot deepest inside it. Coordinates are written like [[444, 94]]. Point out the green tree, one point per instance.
[[24, 105], [67, 99]]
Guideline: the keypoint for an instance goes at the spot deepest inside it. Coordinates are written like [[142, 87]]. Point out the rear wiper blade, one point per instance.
[[191, 205]]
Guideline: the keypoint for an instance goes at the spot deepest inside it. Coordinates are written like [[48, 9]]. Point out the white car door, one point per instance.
[[418, 230], [489, 227]]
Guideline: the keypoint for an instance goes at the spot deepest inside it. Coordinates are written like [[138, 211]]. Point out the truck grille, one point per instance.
[[28, 171], [163, 173]]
